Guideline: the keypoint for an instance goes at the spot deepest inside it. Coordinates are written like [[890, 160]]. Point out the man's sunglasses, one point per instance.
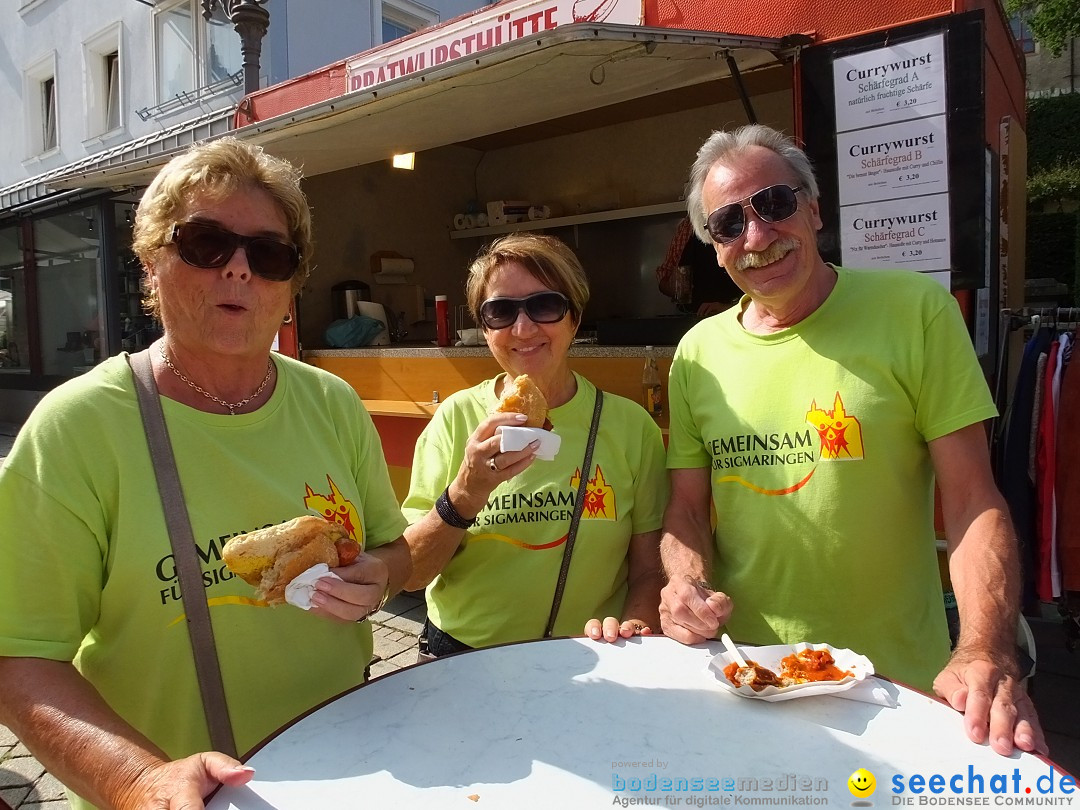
[[210, 247], [772, 204], [541, 307]]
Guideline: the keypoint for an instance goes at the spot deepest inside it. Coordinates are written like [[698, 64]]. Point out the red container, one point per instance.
[[442, 320]]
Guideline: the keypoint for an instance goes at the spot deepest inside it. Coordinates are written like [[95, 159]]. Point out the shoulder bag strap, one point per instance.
[[196, 611], [579, 505]]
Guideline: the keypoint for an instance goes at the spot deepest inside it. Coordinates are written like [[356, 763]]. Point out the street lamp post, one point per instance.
[[250, 20]]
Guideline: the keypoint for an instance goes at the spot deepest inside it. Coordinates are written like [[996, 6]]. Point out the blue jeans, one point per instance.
[[435, 643]]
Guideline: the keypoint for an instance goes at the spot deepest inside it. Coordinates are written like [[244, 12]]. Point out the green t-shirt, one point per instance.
[[499, 585], [816, 441], [86, 570]]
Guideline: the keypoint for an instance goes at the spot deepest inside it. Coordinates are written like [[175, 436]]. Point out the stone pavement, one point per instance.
[[25, 785]]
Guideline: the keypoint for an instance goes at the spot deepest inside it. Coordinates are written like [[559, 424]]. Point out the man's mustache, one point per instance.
[[774, 252]]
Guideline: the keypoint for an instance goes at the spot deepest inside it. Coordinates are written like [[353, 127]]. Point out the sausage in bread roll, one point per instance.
[[271, 558]]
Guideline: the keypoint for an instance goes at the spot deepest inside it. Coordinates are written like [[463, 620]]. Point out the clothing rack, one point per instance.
[[1060, 318], [1033, 320], [1057, 317]]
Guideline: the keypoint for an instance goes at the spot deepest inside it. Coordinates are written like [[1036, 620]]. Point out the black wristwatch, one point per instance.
[[449, 514]]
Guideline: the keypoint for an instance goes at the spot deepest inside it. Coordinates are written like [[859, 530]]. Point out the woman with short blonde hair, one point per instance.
[[490, 527]]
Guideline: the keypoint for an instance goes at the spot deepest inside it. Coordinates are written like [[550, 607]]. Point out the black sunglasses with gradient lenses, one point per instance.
[[541, 307], [772, 204], [210, 247]]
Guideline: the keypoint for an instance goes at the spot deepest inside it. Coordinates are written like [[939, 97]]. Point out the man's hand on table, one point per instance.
[[993, 702], [691, 611]]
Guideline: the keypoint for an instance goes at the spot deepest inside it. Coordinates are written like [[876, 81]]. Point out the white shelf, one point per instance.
[[577, 219]]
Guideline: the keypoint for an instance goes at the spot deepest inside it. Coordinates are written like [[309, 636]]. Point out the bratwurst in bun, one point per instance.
[[521, 395], [271, 558]]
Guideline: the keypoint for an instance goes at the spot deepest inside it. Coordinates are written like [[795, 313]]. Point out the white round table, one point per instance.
[[570, 723]]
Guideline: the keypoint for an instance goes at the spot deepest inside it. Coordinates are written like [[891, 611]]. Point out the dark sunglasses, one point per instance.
[[210, 247], [772, 204], [541, 307]]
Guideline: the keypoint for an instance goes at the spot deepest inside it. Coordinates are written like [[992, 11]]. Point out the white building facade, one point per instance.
[[86, 83]]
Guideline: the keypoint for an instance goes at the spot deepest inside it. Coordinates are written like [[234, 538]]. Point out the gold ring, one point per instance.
[[491, 464]]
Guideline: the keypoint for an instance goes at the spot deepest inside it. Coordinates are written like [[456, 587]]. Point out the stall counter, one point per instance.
[[401, 385]]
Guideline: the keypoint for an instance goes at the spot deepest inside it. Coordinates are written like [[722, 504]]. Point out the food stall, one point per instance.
[[581, 120]]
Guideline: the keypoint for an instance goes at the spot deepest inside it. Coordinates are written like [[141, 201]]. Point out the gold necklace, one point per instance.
[[232, 406]]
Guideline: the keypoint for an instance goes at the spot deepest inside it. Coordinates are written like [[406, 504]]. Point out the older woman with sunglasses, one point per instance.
[[488, 528], [96, 663]]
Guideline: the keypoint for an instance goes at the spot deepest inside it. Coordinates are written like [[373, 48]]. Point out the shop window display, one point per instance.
[[66, 253]]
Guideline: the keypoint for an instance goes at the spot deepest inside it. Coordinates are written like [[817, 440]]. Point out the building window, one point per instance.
[[174, 36], [191, 51], [1022, 33], [392, 30], [42, 106], [403, 17], [223, 57], [48, 105], [101, 54], [112, 92], [13, 320]]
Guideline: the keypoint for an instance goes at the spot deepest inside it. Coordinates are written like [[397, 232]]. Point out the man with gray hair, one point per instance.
[[815, 417]]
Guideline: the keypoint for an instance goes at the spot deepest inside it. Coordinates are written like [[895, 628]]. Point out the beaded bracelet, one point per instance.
[[449, 514]]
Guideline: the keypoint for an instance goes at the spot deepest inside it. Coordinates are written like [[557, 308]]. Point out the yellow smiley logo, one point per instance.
[[862, 783]]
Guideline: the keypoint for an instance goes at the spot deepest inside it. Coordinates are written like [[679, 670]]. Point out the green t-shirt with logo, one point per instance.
[[86, 569], [499, 585], [816, 441]]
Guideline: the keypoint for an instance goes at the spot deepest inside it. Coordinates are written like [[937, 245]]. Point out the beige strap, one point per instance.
[[188, 569]]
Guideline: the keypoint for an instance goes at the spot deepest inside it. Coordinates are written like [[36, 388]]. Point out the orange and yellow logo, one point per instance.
[[599, 497], [840, 434], [336, 508]]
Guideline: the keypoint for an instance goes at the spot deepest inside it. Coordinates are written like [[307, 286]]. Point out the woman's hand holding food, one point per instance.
[[611, 629], [485, 467], [358, 594]]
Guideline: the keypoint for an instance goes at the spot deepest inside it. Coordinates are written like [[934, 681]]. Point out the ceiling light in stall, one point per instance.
[[405, 160]]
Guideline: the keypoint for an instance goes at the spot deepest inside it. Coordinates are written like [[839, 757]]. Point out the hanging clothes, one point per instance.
[[1017, 487], [1064, 354], [1045, 460], [1067, 475]]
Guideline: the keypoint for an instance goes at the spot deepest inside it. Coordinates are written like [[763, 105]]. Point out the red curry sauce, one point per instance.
[[802, 667], [811, 665]]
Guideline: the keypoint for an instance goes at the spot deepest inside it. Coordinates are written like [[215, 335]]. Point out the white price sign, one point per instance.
[[885, 85], [899, 160], [909, 233]]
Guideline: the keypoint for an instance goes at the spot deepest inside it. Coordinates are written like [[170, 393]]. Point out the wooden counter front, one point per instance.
[[410, 381], [398, 384]]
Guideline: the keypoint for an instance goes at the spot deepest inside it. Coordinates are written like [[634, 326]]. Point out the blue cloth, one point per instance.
[[349, 333]]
